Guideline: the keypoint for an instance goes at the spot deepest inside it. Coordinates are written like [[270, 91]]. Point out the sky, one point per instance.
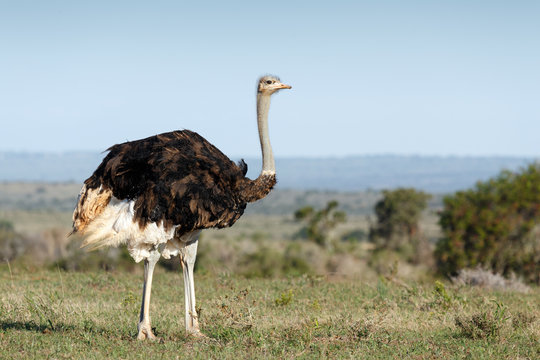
[[368, 77]]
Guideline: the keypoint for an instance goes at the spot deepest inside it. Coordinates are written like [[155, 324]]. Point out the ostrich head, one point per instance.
[[269, 84]]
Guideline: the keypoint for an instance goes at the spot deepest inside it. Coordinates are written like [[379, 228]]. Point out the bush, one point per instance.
[[492, 226], [397, 228]]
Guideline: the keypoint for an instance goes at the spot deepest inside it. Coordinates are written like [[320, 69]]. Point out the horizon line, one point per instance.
[[289, 157]]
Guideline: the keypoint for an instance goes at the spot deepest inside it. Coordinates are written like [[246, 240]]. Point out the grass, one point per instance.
[[93, 315], [68, 315]]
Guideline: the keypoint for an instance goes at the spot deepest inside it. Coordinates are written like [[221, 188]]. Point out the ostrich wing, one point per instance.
[[176, 178]]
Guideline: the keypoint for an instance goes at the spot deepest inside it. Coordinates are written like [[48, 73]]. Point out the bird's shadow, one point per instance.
[[61, 328], [49, 328], [33, 326]]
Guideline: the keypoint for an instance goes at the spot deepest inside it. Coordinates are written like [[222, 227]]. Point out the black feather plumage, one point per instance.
[[176, 178]]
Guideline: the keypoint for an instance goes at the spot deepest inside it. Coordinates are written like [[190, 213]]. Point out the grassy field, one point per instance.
[[61, 315], [351, 305]]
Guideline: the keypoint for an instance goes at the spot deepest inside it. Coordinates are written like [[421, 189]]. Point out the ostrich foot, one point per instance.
[[145, 332]]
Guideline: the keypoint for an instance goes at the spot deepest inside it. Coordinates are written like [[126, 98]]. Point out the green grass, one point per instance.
[[61, 315]]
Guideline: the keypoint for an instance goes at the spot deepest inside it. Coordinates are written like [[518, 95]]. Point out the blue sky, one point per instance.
[[368, 77]]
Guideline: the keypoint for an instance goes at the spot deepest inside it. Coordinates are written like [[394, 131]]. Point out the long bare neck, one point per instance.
[[253, 190], [263, 105]]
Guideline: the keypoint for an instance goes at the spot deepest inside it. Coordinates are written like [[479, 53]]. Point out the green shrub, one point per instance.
[[397, 228], [491, 226]]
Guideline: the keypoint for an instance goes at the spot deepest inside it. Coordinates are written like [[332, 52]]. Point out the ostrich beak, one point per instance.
[[284, 86]]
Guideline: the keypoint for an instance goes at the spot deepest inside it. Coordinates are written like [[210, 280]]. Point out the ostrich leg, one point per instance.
[[145, 330], [187, 257]]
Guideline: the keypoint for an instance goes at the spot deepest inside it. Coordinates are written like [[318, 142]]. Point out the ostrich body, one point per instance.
[[156, 194]]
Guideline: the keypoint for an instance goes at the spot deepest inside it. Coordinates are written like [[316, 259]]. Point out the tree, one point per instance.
[[492, 226], [319, 223], [398, 214]]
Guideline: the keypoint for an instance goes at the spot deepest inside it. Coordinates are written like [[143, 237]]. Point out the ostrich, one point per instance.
[[155, 195]]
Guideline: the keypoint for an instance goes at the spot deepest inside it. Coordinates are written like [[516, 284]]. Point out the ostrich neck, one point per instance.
[[253, 190], [263, 105]]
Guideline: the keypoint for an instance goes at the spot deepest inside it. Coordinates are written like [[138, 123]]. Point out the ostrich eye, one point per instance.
[[269, 82]]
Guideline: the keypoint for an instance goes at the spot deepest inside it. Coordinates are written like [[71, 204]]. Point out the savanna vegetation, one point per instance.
[[392, 274], [92, 315]]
